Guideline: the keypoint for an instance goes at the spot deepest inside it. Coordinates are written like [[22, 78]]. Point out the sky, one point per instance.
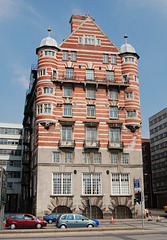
[[24, 23]]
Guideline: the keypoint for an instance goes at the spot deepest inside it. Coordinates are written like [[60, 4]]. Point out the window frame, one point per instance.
[[119, 188], [54, 157], [113, 94], [67, 110], [58, 188], [113, 59], [90, 93], [113, 112], [89, 74], [110, 75], [91, 184], [73, 56], [69, 73], [65, 55], [105, 58], [91, 111]]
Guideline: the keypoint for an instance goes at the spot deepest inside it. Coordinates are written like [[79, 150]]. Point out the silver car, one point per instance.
[[70, 220]]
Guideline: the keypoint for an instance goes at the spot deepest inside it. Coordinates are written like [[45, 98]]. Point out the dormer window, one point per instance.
[[90, 39]]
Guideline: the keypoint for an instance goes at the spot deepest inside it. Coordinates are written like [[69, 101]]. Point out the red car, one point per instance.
[[22, 220]]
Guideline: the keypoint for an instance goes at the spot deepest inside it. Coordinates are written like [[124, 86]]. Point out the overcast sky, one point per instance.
[[24, 24]]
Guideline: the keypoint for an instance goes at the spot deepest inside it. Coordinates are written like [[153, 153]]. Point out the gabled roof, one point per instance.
[[81, 25]]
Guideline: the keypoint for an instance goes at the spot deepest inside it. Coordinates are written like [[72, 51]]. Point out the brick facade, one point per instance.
[[86, 104]]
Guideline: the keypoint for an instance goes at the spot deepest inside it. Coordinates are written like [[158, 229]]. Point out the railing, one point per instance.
[[115, 145], [91, 144], [66, 143], [115, 81]]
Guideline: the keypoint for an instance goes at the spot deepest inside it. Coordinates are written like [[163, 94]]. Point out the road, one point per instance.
[[121, 229], [107, 235]]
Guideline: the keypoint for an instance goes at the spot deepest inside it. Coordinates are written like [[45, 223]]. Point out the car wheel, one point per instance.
[[63, 226], [90, 226], [12, 226], [38, 226], [50, 221]]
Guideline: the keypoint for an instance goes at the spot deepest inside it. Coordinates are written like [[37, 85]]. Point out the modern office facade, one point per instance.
[[11, 161], [149, 197], [158, 137], [82, 126]]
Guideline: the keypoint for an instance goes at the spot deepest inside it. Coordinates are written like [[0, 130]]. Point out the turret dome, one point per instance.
[[48, 41], [127, 48]]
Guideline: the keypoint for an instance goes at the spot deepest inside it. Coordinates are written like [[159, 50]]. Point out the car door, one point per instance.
[[79, 220], [70, 221], [20, 221], [29, 221]]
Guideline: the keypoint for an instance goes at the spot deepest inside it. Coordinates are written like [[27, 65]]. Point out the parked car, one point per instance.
[[74, 221], [51, 217], [23, 220]]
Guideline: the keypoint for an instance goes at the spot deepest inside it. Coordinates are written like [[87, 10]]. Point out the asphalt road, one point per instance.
[[120, 229]]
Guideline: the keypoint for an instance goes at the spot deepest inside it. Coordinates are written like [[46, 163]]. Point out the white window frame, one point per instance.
[[119, 185], [85, 158], [67, 110], [113, 112], [91, 134], [69, 73], [89, 39], [91, 111], [90, 92], [125, 158], [73, 56], [49, 53], [89, 74], [110, 75], [115, 135], [68, 157], [105, 58], [56, 157], [65, 55], [97, 158], [113, 59], [131, 113], [113, 93], [67, 91], [62, 182], [114, 158], [44, 108], [91, 184], [67, 133], [41, 72], [47, 90], [128, 95]]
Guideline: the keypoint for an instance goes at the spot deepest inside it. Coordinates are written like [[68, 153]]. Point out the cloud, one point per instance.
[[8, 9], [21, 76]]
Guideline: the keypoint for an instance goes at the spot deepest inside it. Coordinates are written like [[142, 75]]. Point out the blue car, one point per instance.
[[51, 218]]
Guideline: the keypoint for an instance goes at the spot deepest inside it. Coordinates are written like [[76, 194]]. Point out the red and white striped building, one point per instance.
[[84, 114]]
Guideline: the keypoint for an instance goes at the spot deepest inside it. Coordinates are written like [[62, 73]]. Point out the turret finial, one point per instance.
[[125, 36], [49, 30]]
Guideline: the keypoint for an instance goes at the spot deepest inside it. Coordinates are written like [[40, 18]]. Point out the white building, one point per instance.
[[11, 161]]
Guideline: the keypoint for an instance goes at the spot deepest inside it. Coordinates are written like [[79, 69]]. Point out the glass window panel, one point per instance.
[[110, 75], [113, 112], [113, 93], [90, 74]]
